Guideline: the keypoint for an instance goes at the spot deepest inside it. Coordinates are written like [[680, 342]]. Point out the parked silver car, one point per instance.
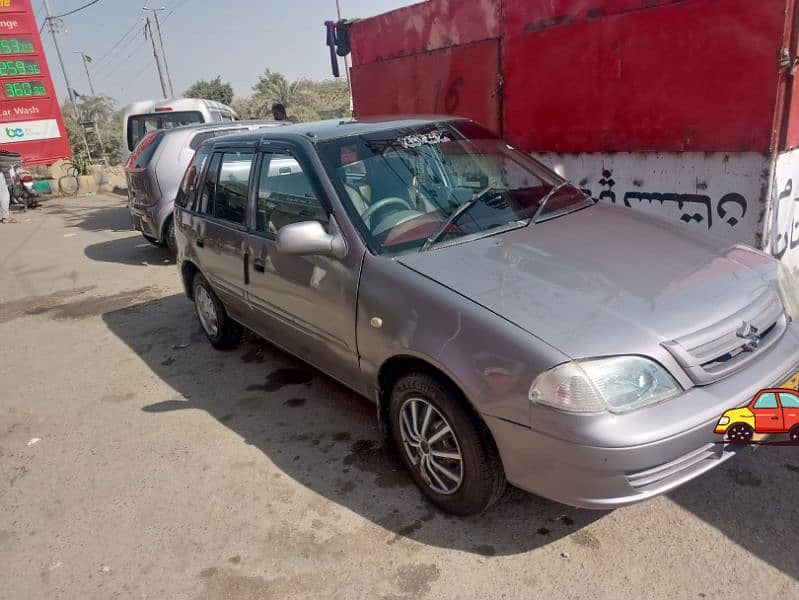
[[157, 164], [507, 327]]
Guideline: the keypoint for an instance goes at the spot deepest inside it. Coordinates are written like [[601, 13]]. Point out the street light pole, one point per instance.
[[148, 31], [163, 51], [70, 91], [86, 67]]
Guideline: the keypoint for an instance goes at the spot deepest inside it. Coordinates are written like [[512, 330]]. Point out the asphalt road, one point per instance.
[[137, 462]]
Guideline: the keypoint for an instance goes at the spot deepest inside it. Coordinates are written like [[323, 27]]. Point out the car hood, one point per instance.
[[739, 414], [602, 280]]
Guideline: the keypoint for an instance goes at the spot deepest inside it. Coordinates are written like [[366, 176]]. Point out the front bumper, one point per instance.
[[594, 476]]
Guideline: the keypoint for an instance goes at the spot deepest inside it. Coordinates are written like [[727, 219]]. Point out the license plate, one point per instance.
[[792, 383]]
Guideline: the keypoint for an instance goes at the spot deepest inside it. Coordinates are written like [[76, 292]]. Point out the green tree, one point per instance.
[[305, 99], [211, 90], [100, 111]]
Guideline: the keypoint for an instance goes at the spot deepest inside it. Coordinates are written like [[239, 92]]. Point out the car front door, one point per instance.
[[790, 410], [220, 234], [768, 415], [306, 304]]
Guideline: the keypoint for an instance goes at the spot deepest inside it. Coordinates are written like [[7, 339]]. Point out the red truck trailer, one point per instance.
[[30, 116], [680, 108]]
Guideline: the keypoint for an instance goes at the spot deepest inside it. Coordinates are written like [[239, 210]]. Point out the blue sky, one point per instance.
[[236, 39]]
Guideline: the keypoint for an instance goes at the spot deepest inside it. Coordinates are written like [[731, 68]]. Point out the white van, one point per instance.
[[145, 116]]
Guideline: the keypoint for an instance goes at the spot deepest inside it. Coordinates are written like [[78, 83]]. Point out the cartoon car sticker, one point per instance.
[[771, 411]]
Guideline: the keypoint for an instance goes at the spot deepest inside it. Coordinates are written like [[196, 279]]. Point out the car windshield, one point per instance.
[[408, 189]]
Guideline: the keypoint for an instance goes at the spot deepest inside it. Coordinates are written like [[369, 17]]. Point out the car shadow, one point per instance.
[[132, 250], [320, 433], [107, 216], [739, 500]]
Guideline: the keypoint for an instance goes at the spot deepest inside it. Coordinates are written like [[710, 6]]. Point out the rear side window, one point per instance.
[[230, 200], [205, 203], [188, 187], [205, 135], [144, 152], [141, 125], [200, 138], [789, 400]]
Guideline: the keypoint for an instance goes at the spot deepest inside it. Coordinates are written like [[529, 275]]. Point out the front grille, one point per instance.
[[718, 350]]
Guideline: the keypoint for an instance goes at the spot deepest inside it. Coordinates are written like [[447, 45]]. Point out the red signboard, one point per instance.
[[30, 117], [456, 81], [583, 75]]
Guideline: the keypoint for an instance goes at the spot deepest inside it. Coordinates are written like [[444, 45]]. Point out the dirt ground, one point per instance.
[[137, 462]]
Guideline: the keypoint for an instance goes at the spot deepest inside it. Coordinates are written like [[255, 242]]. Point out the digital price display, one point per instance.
[[24, 89], [15, 68], [16, 45]]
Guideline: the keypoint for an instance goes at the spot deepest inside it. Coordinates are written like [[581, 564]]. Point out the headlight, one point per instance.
[[724, 420], [617, 384], [789, 290]]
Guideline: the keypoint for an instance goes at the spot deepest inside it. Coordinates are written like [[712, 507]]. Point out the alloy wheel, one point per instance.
[[206, 310], [431, 445]]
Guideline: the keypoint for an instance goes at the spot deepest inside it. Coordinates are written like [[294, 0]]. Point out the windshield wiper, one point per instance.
[[455, 215], [546, 198]]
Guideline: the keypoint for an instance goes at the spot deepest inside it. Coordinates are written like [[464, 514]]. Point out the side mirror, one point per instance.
[[309, 237]]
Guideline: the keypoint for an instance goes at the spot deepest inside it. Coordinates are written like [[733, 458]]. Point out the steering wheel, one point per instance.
[[390, 201]]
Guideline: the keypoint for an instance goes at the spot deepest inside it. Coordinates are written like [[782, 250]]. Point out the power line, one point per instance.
[[174, 8], [72, 12], [119, 41]]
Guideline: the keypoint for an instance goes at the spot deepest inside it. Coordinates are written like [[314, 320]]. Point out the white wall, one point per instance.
[[717, 193], [784, 243]]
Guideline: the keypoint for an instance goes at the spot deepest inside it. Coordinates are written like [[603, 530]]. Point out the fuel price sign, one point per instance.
[[16, 68], [24, 89]]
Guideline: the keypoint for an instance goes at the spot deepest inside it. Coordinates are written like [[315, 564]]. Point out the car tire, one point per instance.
[[222, 331], [169, 237], [793, 434], [464, 486], [740, 433]]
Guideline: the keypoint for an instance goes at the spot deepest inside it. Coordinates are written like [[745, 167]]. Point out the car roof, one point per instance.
[[218, 125], [320, 131]]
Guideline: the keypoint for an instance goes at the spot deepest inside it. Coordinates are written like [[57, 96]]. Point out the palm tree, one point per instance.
[[274, 87]]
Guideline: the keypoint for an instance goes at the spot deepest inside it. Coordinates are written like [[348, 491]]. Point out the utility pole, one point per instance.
[[346, 63], [148, 30], [86, 61], [70, 91], [163, 51]]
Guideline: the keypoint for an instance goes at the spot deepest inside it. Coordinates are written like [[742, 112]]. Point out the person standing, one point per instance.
[[5, 201], [279, 113]]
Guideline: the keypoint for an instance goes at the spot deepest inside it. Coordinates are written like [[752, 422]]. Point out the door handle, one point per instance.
[[775, 418], [259, 265], [200, 243]]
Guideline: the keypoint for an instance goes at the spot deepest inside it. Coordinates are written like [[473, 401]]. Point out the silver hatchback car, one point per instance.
[[156, 166], [508, 327]]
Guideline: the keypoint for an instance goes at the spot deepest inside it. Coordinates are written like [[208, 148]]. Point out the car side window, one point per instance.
[[205, 203], [285, 195], [230, 199], [789, 400], [767, 400], [188, 187]]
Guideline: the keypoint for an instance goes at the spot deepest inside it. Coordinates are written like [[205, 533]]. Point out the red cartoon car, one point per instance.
[[770, 411]]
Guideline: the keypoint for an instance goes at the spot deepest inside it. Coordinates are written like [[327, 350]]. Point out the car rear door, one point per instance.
[[790, 409], [142, 187], [220, 232], [306, 304], [768, 415]]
